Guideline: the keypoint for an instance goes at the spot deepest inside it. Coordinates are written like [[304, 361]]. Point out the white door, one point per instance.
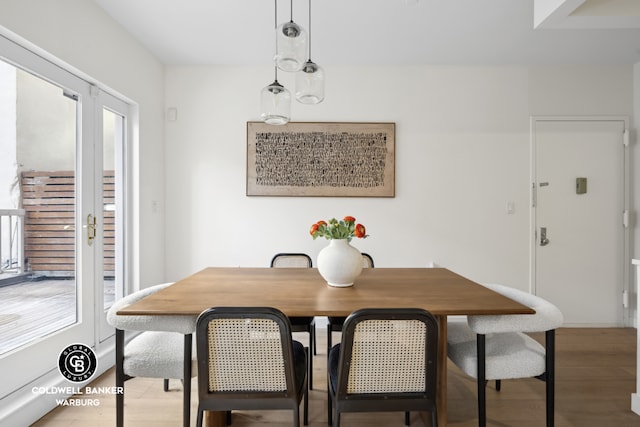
[[579, 204], [69, 157], [112, 127]]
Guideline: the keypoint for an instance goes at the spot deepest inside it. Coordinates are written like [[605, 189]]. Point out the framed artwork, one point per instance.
[[321, 159]]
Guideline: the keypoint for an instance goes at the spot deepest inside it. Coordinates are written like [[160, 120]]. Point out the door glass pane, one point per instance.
[[112, 139], [38, 128]]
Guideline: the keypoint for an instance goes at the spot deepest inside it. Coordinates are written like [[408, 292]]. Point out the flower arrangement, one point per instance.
[[345, 228]]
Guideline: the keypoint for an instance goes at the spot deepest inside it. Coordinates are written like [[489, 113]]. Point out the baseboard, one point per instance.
[[635, 403], [592, 325]]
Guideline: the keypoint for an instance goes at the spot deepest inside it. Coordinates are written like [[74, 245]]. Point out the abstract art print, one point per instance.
[[321, 159]]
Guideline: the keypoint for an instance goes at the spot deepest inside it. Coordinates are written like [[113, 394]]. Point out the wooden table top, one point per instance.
[[303, 292]]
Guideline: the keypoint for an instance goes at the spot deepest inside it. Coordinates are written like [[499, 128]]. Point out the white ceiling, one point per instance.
[[381, 32]]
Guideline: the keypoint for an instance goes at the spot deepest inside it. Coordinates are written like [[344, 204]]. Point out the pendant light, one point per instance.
[[310, 79], [276, 103], [275, 98], [291, 42]]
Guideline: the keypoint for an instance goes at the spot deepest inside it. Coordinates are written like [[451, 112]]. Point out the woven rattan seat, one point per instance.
[[247, 360], [387, 361]]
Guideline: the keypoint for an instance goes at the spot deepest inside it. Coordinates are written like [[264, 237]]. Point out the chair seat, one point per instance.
[[154, 354], [508, 355], [300, 365]]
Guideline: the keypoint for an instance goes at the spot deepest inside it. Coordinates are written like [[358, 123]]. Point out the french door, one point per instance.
[[69, 142]]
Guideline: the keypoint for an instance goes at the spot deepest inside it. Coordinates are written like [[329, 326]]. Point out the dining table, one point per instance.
[[300, 292]]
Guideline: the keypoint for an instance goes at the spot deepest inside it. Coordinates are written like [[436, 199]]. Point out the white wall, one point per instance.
[[462, 153], [462, 150], [81, 34]]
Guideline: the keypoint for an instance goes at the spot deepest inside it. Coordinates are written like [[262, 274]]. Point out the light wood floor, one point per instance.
[[595, 379]]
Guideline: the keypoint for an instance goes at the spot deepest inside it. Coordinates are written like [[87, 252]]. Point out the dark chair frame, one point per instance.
[[249, 400], [549, 377], [121, 377], [514, 329], [304, 256], [302, 324], [376, 402]]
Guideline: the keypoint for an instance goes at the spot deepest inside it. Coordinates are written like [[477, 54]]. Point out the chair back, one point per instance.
[[386, 352], [245, 354], [291, 260], [185, 324], [367, 261], [547, 316]]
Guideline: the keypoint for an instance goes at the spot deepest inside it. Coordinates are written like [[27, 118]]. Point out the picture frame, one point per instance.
[[321, 159]]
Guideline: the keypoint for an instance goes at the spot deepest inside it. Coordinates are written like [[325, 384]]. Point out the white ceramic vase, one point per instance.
[[339, 263]]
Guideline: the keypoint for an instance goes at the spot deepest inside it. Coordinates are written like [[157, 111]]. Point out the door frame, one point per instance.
[[625, 263], [26, 403]]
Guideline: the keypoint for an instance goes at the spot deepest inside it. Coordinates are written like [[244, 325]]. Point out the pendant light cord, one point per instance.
[[275, 26], [309, 30]]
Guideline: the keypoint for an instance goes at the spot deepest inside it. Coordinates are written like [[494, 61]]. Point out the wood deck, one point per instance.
[[34, 309]]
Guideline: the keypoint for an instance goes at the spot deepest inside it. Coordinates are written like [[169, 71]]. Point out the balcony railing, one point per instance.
[[12, 241]]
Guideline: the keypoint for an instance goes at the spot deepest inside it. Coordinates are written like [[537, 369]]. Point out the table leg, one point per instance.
[[441, 394], [214, 419]]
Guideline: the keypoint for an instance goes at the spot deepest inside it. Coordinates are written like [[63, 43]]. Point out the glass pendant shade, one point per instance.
[[276, 104], [291, 42], [310, 83]]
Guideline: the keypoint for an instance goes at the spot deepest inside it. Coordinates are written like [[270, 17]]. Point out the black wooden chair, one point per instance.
[[299, 324], [247, 360], [387, 361]]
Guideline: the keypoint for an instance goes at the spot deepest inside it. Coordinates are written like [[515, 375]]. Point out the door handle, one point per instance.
[[91, 229], [543, 236]]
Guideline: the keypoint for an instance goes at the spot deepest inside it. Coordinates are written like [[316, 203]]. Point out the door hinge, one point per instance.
[[533, 195], [625, 299], [94, 91], [625, 137], [625, 218]]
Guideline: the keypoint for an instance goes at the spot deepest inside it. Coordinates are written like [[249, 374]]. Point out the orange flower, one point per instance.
[[314, 228], [345, 228]]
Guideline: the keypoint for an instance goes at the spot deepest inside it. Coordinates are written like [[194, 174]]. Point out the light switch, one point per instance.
[[511, 208]]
